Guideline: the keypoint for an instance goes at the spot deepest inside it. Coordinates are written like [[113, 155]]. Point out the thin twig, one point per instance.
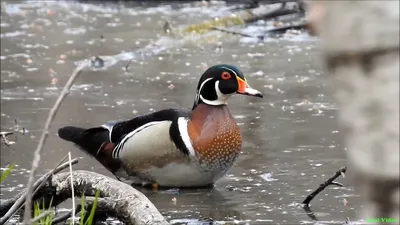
[[7, 204], [36, 189], [322, 186], [20, 201], [272, 14], [336, 184], [41, 215], [129, 63], [4, 135], [45, 133], [72, 188]]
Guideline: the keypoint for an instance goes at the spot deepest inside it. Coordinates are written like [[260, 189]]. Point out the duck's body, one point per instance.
[[172, 147]]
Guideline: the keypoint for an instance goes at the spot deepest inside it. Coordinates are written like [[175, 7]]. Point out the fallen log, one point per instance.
[[117, 199], [128, 204], [242, 17]]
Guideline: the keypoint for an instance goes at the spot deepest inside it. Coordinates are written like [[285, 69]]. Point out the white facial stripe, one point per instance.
[[182, 126], [202, 84], [221, 98], [198, 91]]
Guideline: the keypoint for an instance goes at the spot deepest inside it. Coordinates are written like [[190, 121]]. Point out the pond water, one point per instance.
[[292, 141]]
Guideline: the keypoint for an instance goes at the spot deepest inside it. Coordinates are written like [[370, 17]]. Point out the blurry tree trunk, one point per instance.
[[361, 47]]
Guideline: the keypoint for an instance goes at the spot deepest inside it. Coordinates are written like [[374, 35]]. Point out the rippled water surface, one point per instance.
[[292, 141]]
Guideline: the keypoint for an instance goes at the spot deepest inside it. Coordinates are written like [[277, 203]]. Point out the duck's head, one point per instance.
[[219, 82]]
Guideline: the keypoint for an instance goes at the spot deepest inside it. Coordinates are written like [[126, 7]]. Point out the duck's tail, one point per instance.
[[93, 141]]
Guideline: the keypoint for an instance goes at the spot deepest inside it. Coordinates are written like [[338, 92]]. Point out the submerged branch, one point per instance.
[[310, 213], [4, 138], [322, 186], [310, 197]]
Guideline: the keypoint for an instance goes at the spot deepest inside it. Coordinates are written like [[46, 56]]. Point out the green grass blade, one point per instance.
[[36, 211], [49, 218], [81, 220], [7, 172], [89, 221]]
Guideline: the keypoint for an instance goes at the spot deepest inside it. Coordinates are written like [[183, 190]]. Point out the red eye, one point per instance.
[[225, 75]]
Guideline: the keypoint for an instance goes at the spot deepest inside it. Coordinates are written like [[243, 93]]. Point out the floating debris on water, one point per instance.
[[97, 62], [268, 177]]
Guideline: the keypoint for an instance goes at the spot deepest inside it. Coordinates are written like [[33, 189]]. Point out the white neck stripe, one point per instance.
[[182, 126]]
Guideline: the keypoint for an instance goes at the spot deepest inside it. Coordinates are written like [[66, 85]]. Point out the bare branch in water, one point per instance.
[[322, 186], [310, 197], [310, 213], [4, 138], [45, 133]]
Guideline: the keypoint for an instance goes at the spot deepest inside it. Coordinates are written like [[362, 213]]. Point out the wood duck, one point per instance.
[[173, 147]]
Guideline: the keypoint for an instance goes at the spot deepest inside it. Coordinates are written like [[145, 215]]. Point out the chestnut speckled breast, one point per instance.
[[215, 137]]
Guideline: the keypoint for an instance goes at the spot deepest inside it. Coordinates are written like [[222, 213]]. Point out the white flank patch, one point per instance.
[[182, 126], [120, 146]]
